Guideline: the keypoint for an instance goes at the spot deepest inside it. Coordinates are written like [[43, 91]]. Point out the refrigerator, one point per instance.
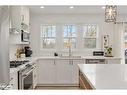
[[4, 46]]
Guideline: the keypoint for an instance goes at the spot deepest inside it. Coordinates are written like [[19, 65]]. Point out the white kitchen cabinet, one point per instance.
[[75, 70], [113, 61], [18, 15], [25, 15], [64, 71], [35, 75], [58, 71], [46, 71], [14, 80]]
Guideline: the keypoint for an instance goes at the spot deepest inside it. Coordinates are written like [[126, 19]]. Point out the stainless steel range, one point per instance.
[[14, 64], [25, 74], [25, 77]]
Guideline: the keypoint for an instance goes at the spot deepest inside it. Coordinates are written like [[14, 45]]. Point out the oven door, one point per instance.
[[26, 80]]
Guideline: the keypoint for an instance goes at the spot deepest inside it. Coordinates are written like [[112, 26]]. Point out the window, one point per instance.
[[48, 36], [89, 35], [69, 36]]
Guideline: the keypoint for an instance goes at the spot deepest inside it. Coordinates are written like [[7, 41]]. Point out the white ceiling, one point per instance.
[[77, 10]]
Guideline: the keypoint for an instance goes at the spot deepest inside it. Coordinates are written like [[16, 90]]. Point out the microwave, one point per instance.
[[25, 36]]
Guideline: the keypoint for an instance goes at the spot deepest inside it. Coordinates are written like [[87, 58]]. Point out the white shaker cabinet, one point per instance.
[[25, 15], [18, 15], [14, 80], [64, 70], [46, 71], [59, 72], [113, 61]]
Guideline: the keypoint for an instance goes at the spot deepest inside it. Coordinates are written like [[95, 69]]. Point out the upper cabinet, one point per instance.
[[25, 15], [19, 16], [19, 25]]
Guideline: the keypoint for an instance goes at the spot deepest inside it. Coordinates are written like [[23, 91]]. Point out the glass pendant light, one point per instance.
[[110, 13]]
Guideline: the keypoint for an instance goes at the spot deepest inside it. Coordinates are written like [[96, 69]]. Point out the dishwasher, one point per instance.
[[95, 61]]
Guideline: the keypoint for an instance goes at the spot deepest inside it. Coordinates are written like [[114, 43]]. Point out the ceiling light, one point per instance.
[[110, 13], [71, 7], [42, 7]]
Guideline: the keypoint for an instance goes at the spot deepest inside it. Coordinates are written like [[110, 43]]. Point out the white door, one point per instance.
[[64, 70], [75, 70], [46, 71]]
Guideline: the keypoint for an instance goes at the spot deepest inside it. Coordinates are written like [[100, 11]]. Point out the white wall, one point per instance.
[[36, 20]]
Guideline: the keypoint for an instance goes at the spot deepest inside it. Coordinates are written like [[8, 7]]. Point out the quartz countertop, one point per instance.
[[105, 76]]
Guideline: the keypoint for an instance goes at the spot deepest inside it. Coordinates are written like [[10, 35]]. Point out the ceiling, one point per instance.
[[76, 10]]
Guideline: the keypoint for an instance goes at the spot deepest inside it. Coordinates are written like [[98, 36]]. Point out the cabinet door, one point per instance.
[[35, 75], [14, 80], [75, 70], [46, 72], [25, 15], [15, 16], [64, 70], [113, 61]]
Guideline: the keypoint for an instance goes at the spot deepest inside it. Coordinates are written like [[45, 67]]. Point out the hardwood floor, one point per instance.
[[56, 88]]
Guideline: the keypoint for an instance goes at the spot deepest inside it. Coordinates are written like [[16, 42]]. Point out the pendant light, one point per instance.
[[110, 13]]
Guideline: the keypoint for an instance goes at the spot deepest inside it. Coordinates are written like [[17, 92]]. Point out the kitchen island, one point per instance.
[[103, 76]]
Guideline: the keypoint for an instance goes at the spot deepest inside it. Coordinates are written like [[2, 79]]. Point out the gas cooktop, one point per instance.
[[14, 64]]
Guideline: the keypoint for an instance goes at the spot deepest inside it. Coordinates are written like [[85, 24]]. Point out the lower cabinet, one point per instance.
[[46, 71], [113, 61], [63, 72], [14, 80], [35, 75], [58, 72]]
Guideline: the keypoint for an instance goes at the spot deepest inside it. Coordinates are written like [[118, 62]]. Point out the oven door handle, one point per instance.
[[25, 75]]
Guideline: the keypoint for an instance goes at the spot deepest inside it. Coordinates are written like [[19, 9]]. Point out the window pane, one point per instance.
[[90, 43], [48, 43], [89, 31], [69, 31], [90, 35], [48, 31], [71, 43], [48, 35]]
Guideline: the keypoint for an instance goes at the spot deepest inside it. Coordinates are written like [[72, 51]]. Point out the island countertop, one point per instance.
[[105, 76]]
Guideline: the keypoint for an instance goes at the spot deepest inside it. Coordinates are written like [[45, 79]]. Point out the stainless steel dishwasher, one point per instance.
[[95, 61]]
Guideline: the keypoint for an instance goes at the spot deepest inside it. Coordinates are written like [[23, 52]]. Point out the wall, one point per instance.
[[36, 20]]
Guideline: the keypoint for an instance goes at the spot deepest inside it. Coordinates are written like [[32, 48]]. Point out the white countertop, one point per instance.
[[100, 57], [105, 76], [32, 59], [53, 57]]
